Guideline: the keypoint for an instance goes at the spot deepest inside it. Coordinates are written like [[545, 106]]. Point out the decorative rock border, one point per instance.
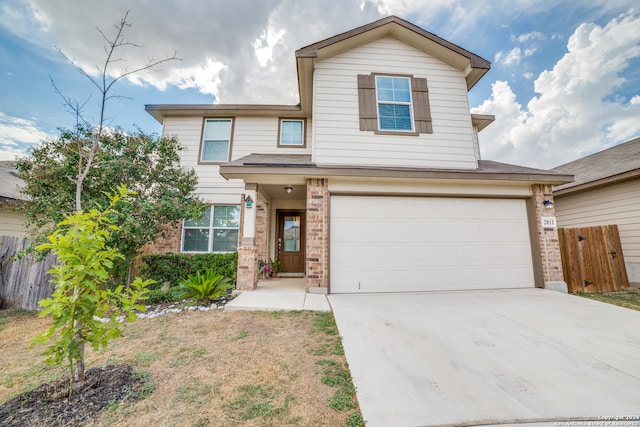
[[163, 309]]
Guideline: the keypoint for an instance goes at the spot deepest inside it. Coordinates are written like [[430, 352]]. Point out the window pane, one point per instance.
[[226, 216], [217, 129], [291, 132], [203, 222], [401, 90], [393, 89], [225, 240], [196, 240], [394, 117], [216, 140], [384, 87], [215, 151], [292, 233]]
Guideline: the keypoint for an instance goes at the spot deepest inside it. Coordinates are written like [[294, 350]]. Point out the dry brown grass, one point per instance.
[[205, 368]]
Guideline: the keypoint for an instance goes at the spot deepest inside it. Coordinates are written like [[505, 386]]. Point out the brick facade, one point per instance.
[[168, 242], [547, 237], [317, 244]]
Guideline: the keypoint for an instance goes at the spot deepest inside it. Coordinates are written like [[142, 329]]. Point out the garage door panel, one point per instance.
[[401, 244]]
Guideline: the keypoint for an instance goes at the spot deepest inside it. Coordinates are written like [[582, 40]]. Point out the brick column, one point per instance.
[[262, 227], [548, 239], [247, 252], [247, 268], [317, 236]]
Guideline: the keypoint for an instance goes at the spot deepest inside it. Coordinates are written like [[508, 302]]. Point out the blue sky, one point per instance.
[[565, 79]]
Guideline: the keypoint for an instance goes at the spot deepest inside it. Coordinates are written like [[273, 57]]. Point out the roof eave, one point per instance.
[[311, 170], [160, 111], [598, 183]]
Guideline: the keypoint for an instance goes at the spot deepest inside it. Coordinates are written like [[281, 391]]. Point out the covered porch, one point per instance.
[[284, 223], [279, 294]]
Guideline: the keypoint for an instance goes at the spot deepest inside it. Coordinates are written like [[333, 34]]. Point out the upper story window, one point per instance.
[[291, 133], [393, 96], [216, 140], [394, 104]]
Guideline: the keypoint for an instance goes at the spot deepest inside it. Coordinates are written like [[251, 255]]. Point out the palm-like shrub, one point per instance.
[[204, 286]]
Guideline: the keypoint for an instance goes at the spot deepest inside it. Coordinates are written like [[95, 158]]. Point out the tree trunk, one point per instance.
[[78, 374]]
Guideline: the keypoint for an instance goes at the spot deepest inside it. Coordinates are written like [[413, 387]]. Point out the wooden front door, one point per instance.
[[291, 227]]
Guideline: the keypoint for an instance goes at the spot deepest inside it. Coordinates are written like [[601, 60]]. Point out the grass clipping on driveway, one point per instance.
[[207, 368]]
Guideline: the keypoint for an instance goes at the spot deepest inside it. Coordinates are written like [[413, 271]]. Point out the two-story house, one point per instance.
[[373, 182]]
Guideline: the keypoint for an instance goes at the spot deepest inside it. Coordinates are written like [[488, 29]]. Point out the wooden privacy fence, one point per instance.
[[592, 259], [24, 281]]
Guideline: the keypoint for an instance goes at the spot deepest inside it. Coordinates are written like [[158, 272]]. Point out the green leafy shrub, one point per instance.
[[173, 268], [81, 294], [158, 296], [206, 285]]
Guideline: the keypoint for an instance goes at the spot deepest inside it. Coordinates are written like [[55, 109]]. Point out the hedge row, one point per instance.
[[172, 268]]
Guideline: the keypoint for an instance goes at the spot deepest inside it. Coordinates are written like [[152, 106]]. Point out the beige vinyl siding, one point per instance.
[[11, 222], [250, 135], [611, 204], [337, 138], [260, 135], [212, 187]]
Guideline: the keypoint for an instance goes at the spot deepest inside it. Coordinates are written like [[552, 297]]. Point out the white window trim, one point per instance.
[[211, 229], [202, 140], [303, 143], [410, 104]]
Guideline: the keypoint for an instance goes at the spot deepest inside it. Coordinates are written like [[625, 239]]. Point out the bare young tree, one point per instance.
[[104, 84]]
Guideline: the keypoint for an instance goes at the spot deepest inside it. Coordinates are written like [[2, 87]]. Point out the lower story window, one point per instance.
[[216, 231]]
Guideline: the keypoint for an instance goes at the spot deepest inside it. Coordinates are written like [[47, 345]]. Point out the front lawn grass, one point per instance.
[[207, 368], [629, 298]]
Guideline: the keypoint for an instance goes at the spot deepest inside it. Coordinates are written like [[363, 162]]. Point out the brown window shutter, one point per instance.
[[421, 110], [367, 102]]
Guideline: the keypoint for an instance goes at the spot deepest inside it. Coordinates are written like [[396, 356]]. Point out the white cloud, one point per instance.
[[16, 135], [509, 58], [240, 52], [534, 35], [570, 115]]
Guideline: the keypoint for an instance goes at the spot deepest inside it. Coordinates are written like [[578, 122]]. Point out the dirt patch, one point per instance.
[[50, 404]]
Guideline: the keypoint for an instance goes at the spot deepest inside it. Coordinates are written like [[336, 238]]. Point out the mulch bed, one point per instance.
[[49, 404]]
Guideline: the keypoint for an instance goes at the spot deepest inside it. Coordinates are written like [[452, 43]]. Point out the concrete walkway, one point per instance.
[[527, 357], [279, 294]]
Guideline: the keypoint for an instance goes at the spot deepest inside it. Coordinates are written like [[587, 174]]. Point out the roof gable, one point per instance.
[[392, 26]]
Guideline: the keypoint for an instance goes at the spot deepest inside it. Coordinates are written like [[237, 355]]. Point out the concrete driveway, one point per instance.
[[490, 357]]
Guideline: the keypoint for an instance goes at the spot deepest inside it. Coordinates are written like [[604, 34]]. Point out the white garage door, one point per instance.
[[404, 244]]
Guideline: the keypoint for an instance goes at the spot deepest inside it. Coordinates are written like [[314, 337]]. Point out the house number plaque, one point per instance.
[[549, 222]]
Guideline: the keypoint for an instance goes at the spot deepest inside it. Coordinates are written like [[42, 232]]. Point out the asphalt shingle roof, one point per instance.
[[607, 163]]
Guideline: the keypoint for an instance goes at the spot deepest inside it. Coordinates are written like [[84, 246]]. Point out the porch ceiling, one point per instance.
[[298, 192]]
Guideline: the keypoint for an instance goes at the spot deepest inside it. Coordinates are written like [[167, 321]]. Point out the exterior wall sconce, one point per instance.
[[548, 204], [288, 189], [248, 202]]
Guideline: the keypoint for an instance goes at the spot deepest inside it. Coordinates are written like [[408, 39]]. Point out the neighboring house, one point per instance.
[[606, 190], [11, 221], [373, 182]]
